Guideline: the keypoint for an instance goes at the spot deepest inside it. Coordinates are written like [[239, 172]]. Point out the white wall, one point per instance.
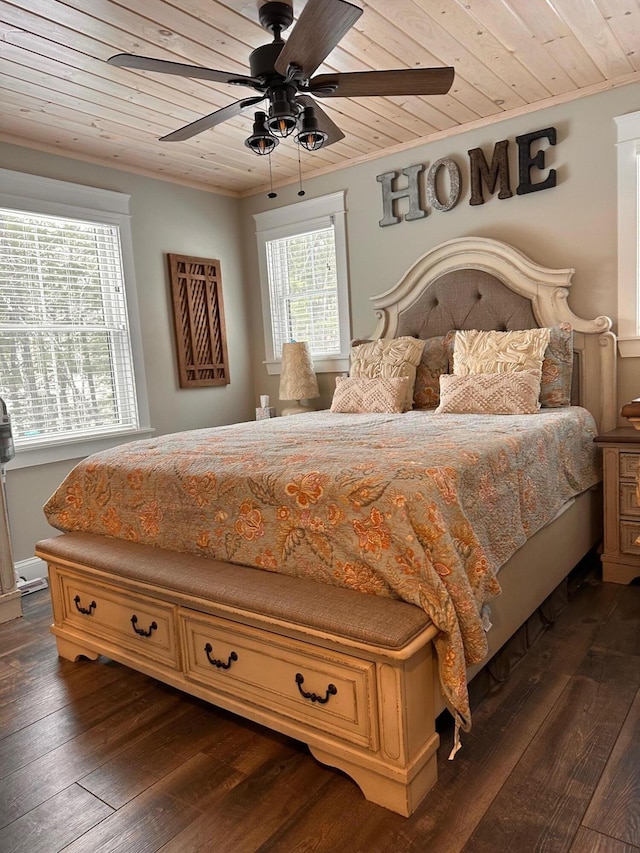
[[166, 218], [570, 225]]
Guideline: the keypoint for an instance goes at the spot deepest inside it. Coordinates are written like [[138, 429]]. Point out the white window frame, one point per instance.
[[287, 222], [34, 194], [628, 146]]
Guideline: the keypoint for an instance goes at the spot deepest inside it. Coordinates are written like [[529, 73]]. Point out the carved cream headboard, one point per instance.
[[479, 283]]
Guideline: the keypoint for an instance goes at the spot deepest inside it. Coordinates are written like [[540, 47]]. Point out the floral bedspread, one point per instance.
[[416, 506]]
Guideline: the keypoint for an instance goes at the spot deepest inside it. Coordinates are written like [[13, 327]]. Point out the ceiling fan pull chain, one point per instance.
[[300, 191], [271, 194]]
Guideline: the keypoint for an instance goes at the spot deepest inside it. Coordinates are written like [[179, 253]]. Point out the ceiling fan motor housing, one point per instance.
[[263, 59]]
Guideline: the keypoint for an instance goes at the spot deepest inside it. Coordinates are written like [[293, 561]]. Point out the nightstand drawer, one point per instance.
[[629, 464], [629, 532], [329, 692], [629, 499], [135, 623], [621, 470]]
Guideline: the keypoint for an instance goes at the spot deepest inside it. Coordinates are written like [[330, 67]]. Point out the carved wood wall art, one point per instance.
[[198, 313]]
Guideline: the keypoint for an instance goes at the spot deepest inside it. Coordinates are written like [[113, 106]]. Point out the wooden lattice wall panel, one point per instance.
[[201, 340]]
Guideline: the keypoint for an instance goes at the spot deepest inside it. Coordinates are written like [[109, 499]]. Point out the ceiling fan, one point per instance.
[[281, 72]]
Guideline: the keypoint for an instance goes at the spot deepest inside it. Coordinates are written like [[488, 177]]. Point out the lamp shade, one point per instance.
[[297, 377], [261, 141], [310, 136]]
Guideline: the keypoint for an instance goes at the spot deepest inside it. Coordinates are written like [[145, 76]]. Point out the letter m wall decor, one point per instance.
[[201, 340]]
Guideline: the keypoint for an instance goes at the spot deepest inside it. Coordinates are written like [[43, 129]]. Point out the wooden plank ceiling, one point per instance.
[[511, 56]]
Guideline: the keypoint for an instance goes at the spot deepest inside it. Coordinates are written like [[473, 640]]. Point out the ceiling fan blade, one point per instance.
[[324, 122], [146, 63], [360, 84], [321, 25], [210, 120]]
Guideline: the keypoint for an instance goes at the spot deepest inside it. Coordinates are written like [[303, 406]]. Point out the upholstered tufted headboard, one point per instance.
[[465, 299], [479, 283]]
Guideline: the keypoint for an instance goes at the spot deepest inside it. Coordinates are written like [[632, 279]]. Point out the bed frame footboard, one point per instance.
[[363, 706]]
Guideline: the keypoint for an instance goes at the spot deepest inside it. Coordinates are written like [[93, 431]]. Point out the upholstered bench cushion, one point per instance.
[[383, 622]]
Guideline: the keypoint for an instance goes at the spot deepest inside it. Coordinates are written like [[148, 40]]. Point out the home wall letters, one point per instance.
[[481, 174]]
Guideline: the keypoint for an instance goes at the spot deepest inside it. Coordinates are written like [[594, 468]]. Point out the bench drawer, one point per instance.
[[321, 689], [134, 622]]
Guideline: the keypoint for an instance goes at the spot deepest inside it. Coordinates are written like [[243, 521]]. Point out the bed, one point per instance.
[[218, 608]]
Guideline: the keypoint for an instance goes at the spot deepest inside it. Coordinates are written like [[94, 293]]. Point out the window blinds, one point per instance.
[[66, 368], [304, 291]]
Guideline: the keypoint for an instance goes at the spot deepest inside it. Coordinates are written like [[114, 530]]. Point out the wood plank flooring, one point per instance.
[[95, 758]]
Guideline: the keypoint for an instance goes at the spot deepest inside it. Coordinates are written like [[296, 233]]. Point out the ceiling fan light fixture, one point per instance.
[[261, 141], [281, 126], [283, 113], [310, 136], [284, 74], [312, 140]]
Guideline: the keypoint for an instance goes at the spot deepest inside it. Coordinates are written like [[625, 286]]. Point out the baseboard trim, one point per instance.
[[10, 606], [31, 569]]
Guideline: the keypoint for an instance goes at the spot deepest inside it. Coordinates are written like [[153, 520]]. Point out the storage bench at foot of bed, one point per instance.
[[349, 679]]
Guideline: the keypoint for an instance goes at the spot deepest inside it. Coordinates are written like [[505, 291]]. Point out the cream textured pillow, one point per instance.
[[490, 393], [356, 394], [387, 358], [499, 352]]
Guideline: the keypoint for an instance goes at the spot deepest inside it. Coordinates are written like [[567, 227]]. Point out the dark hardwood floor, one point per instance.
[[97, 758]]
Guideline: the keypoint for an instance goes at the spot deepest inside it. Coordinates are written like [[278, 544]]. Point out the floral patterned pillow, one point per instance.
[[557, 368], [434, 362]]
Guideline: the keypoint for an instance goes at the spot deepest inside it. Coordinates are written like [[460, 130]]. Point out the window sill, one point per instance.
[[329, 364], [629, 347], [79, 449]]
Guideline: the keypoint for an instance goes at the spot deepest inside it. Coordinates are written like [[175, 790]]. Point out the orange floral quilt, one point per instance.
[[416, 506]]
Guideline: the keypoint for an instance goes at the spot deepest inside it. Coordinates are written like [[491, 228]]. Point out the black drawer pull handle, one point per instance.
[[219, 664], [140, 631], [86, 611], [313, 697]]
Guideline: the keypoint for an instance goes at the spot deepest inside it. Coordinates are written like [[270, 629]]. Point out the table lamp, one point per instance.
[[297, 377], [631, 411]]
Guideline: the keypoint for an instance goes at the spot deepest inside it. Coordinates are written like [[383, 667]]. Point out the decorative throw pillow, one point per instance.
[[557, 368], [515, 393], [499, 352], [388, 358], [434, 362], [356, 394]]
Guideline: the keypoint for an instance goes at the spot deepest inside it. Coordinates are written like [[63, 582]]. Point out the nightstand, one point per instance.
[[621, 463]]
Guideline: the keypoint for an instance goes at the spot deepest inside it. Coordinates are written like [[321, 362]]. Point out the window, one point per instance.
[[628, 132], [303, 272], [67, 369]]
